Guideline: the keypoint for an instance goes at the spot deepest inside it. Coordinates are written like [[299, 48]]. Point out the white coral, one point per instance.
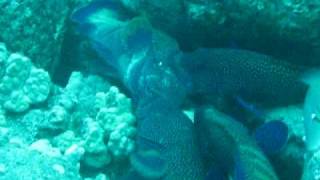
[[121, 142], [99, 115], [96, 153], [116, 118], [21, 84], [58, 117], [37, 86]]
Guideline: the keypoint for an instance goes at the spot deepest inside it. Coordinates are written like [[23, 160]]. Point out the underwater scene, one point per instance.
[[160, 90]]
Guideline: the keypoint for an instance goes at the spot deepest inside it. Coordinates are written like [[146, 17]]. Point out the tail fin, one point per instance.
[[97, 21], [127, 40], [113, 7], [112, 31]]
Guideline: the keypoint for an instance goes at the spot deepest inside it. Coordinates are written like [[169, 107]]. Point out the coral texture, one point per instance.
[[88, 122], [36, 29], [262, 25], [21, 83]]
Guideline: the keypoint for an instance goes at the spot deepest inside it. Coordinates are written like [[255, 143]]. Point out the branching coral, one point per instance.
[[115, 117], [96, 151], [99, 117], [87, 119], [87, 116], [21, 84]]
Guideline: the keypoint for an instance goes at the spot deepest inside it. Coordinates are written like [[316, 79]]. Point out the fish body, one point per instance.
[[113, 33], [145, 59], [230, 146], [252, 76], [142, 56], [173, 135]]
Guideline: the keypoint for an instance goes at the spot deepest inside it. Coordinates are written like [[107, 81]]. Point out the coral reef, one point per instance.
[[312, 166], [21, 84], [37, 161], [88, 121], [95, 116], [60, 120], [98, 118]]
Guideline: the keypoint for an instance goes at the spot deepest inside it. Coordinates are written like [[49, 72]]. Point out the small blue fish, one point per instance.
[[272, 136]]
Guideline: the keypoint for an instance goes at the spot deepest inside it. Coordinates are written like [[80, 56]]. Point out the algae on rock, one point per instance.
[[36, 28], [272, 27]]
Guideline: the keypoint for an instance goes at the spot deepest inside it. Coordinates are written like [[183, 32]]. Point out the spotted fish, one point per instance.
[[166, 143], [252, 76], [229, 145]]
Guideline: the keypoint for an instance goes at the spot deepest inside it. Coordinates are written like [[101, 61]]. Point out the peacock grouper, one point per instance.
[[255, 77]]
